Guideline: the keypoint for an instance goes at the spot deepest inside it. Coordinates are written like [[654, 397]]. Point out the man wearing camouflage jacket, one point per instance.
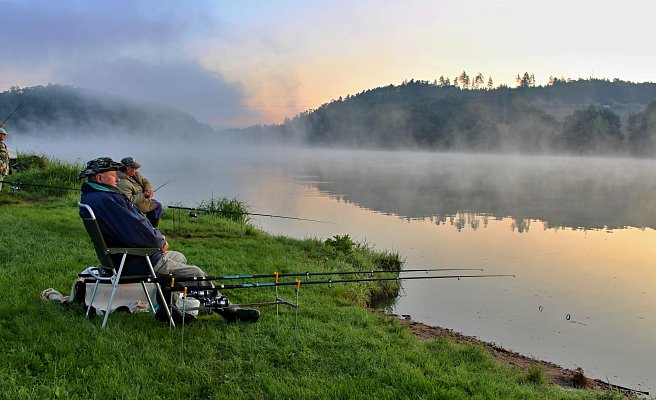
[[4, 157]]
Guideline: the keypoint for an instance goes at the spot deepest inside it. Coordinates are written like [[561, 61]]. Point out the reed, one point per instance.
[[227, 208]]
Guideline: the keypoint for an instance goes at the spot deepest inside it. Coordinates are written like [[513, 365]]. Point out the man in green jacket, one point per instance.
[[139, 190], [4, 157]]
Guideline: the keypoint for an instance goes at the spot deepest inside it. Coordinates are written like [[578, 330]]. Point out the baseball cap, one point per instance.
[[98, 166]]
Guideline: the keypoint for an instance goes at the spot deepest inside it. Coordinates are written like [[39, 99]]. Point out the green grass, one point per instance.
[[41, 171], [335, 349]]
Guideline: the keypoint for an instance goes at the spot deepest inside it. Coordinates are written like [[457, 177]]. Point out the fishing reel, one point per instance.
[[209, 298], [221, 302]]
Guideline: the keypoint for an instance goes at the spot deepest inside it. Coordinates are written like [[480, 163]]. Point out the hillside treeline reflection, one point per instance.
[[466, 191]]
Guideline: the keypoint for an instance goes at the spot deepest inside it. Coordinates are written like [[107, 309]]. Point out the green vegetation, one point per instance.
[[535, 375], [585, 116], [641, 127], [592, 130], [68, 110], [335, 349], [225, 207], [440, 116], [39, 176], [343, 243]]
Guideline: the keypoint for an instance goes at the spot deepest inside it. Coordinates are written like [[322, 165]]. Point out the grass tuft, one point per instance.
[[228, 208], [535, 375]]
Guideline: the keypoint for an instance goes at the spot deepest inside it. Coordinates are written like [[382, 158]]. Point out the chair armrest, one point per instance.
[[133, 251]]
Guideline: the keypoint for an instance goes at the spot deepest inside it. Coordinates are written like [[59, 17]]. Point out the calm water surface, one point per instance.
[[577, 233]]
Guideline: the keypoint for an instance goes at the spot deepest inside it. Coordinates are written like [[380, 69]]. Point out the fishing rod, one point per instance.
[[247, 213], [329, 282], [19, 106], [17, 186], [161, 186], [308, 273]]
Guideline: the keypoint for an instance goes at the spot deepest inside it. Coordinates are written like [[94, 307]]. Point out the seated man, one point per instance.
[[122, 225], [139, 190]]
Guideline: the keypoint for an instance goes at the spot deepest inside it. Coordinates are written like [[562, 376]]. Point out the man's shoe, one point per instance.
[[234, 314]]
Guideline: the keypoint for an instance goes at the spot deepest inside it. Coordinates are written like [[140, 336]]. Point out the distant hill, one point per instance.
[[583, 117], [579, 117], [56, 110]]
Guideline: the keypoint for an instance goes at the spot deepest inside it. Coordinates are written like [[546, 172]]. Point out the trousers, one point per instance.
[[175, 263]]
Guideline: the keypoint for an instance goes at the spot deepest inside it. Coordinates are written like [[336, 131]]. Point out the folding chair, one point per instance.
[[107, 273]]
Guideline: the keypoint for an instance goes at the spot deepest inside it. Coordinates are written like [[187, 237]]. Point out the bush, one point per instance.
[[232, 209], [342, 244]]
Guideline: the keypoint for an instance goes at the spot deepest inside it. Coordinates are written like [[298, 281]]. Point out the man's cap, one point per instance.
[[98, 166], [130, 162], [3, 131]]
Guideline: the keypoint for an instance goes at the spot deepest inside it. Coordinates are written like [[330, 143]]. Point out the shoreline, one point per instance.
[[554, 373]]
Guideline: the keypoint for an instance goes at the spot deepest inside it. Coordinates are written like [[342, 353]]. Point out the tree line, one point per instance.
[[586, 116], [54, 110]]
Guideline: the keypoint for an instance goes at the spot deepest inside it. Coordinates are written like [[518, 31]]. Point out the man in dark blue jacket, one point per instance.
[[123, 225]]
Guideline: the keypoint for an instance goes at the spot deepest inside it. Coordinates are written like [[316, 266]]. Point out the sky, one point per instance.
[[241, 63]]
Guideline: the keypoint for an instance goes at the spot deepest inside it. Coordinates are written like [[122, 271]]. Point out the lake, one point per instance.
[[578, 233]]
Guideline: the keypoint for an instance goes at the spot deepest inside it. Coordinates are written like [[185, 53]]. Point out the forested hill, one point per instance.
[[583, 117], [56, 110]]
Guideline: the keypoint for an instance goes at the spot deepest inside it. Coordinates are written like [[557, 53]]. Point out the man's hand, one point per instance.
[[148, 194], [165, 248]]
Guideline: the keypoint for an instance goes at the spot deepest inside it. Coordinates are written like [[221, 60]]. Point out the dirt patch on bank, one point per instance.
[[553, 373]]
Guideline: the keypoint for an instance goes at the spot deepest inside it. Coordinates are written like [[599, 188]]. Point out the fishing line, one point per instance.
[[248, 213], [17, 186], [308, 273], [20, 105]]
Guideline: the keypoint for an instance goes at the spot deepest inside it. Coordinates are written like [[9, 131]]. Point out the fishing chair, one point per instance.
[[106, 273]]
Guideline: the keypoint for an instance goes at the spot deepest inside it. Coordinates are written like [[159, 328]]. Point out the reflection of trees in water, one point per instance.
[[475, 221], [465, 193], [460, 221], [520, 226]]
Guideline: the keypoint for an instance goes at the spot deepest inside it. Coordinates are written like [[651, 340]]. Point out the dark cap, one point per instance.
[[130, 162], [98, 166]]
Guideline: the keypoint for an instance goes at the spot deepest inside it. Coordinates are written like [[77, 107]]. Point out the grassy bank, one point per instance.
[[335, 349]]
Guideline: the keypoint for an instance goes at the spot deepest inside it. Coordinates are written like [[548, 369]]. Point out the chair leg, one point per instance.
[[150, 301], [93, 296], [161, 294], [115, 279]]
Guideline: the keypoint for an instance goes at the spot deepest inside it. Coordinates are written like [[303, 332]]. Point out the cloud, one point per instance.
[[258, 61], [53, 31], [182, 85], [142, 50]]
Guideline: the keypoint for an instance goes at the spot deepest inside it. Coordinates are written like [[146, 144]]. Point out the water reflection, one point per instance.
[[466, 191]]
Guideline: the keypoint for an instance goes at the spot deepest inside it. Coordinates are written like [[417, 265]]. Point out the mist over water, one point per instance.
[[461, 189], [577, 232], [587, 193]]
